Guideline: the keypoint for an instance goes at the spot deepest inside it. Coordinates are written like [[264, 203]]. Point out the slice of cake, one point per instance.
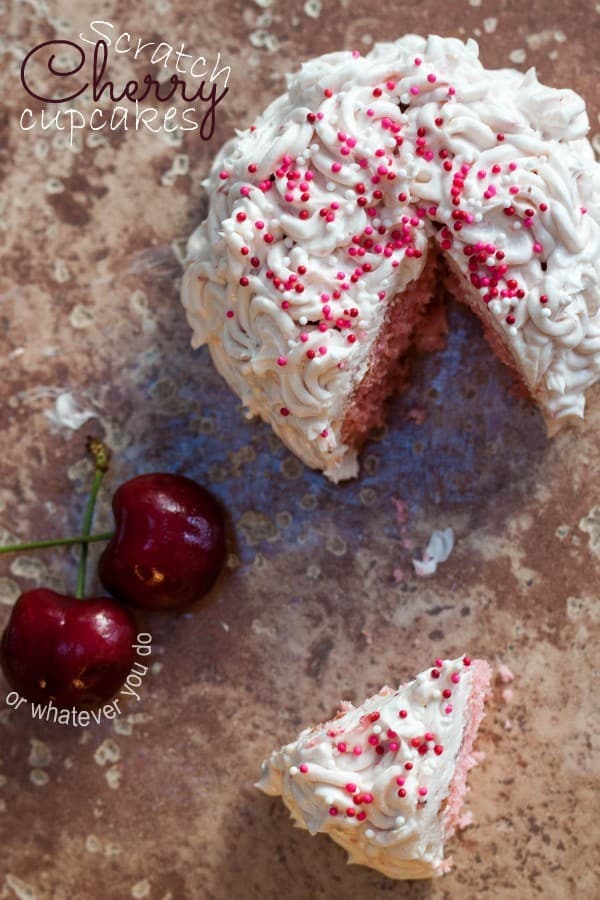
[[330, 217], [387, 779]]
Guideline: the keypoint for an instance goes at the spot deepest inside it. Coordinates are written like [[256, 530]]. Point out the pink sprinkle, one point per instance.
[[361, 816], [333, 811], [390, 85], [455, 678], [223, 175], [414, 90], [448, 709], [336, 167], [351, 787], [422, 792], [357, 751], [400, 780], [431, 78], [341, 747], [373, 740], [322, 350], [281, 361], [393, 746], [418, 60], [537, 247], [244, 190], [303, 768], [304, 337]]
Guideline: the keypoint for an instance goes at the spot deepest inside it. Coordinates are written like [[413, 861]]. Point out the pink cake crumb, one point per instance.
[[446, 865], [417, 414], [465, 820], [507, 695], [401, 511], [505, 674]]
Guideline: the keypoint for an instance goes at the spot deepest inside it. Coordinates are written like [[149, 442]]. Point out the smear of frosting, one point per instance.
[[67, 414], [439, 548]]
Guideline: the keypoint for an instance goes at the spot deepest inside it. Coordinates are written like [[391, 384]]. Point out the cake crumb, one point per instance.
[[401, 511], [505, 674], [465, 820]]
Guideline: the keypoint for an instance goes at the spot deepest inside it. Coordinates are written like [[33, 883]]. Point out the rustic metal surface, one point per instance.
[[319, 600]]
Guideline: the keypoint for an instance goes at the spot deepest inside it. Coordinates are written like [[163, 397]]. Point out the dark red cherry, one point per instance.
[[169, 542], [73, 652]]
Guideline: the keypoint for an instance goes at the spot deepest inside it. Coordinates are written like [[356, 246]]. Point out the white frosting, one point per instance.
[[322, 772], [544, 157]]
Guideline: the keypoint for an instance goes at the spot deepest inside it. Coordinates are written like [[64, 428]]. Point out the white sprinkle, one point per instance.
[[475, 2], [518, 55], [376, 729], [369, 834], [400, 820], [303, 320], [496, 307], [546, 313], [517, 226], [404, 98], [490, 261], [330, 186], [513, 331], [489, 25], [294, 770], [478, 217]]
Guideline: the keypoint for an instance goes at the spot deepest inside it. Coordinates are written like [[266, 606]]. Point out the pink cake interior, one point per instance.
[[388, 370], [466, 758], [415, 321]]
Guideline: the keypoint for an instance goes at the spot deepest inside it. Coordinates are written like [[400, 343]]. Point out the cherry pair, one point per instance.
[[167, 551]]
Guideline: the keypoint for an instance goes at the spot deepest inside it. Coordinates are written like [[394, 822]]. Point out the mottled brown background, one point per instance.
[[319, 600]]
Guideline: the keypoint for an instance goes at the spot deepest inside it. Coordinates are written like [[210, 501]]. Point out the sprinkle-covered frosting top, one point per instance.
[[375, 777], [322, 211]]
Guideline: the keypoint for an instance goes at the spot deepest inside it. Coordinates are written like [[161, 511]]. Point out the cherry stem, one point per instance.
[[56, 542], [101, 455]]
